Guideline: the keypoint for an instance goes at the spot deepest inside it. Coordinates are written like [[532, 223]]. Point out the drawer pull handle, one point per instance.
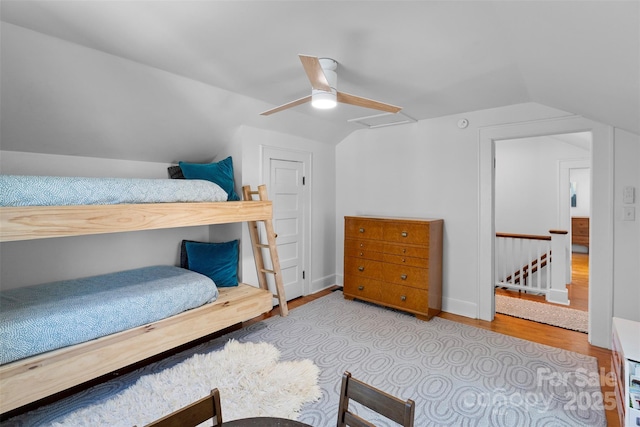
[[361, 254], [361, 268], [404, 260], [361, 230], [404, 234], [361, 288], [362, 245], [404, 250], [403, 276], [403, 298]]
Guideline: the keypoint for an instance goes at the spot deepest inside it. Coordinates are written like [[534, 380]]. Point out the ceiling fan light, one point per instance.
[[323, 100]]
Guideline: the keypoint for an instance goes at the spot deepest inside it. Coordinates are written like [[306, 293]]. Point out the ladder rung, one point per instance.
[[264, 270], [262, 245]]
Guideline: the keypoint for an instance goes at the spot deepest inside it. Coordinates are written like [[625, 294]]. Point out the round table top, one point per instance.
[[264, 422]]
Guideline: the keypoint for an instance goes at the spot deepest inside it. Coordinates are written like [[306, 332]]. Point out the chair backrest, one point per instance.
[[400, 411], [194, 414]]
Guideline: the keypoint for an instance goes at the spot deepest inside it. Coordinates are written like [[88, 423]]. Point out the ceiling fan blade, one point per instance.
[[314, 71], [287, 105], [359, 101]]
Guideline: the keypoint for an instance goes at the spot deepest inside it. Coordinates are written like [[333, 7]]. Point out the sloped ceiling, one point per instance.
[[433, 58]]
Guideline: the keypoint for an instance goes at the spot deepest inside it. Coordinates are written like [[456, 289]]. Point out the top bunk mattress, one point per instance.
[[23, 190], [45, 317]]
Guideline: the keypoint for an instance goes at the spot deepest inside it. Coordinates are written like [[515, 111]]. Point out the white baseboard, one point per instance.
[[322, 283], [461, 308]]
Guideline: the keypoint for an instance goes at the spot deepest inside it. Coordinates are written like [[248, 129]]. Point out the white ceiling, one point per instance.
[[433, 58]]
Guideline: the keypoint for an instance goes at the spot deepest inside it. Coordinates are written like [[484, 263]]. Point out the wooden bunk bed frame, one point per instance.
[[28, 380]]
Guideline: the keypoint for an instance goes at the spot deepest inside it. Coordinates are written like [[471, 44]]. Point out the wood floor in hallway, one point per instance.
[[578, 289]]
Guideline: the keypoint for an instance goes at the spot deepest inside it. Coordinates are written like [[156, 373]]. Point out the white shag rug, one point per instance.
[[251, 380], [564, 317]]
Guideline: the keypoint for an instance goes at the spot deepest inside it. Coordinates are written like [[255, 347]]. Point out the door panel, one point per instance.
[[286, 191]]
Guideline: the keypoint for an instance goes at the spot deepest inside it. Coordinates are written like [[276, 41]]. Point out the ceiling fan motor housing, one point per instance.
[[320, 98]]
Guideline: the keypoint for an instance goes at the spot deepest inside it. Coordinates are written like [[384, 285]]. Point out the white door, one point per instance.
[[286, 190]]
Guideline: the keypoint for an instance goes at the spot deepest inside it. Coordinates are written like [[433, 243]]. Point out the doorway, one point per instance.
[[601, 254], [286, 172], [533, 185]]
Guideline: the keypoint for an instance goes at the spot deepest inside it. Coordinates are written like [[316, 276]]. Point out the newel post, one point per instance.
[[560, 265]]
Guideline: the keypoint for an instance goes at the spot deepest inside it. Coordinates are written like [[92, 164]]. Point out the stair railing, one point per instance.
[[524, 263]]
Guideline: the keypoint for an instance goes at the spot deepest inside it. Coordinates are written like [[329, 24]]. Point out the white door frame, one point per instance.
[[601, 253], [564, 210], [266, 154]]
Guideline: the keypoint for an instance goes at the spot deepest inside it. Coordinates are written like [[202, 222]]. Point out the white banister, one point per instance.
[[560, 268], [524, 263], [521, 260]]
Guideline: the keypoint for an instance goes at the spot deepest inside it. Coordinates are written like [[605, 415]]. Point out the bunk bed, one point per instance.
[[30, 379]]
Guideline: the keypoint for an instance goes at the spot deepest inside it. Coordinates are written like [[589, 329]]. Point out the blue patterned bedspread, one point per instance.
[[45, 317], [21, 190]]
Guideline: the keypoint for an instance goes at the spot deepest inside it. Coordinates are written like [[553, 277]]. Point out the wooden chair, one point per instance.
[[402, 412], [194, 414]]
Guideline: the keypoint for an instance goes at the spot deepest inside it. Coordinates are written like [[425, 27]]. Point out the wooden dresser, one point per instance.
[[395, 262], [580, 230]]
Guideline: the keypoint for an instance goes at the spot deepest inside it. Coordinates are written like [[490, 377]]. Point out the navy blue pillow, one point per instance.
[[218, 261], [220, 173]]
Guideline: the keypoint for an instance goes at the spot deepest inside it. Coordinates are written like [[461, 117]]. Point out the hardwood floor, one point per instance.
[[524, 329]]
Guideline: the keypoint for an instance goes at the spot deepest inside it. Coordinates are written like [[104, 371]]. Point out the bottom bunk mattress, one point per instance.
[[45, 317]]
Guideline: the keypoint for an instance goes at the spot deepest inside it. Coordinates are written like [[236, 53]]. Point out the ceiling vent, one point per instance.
[[383, 119]]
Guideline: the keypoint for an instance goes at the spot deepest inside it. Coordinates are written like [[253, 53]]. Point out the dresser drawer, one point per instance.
[[406, 232], [406, 275], [362, 267], [360, 228], [405, 297], [406, 250], [362, 287], [358, 253], [580, 229], [580, 225], [405, 260], [369, 249]]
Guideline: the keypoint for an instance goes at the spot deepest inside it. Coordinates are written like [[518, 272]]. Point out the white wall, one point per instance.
[[63, 98], [527, 183], [626, 260], [427, 169]]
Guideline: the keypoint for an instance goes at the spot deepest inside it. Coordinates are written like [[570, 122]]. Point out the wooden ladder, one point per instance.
[[258, 246]]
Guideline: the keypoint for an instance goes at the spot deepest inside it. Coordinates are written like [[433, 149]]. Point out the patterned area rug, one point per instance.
[[564, 317], [457, 374], [251, 380]]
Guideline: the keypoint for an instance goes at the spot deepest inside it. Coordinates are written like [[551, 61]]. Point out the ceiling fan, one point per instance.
[[322, 75]]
